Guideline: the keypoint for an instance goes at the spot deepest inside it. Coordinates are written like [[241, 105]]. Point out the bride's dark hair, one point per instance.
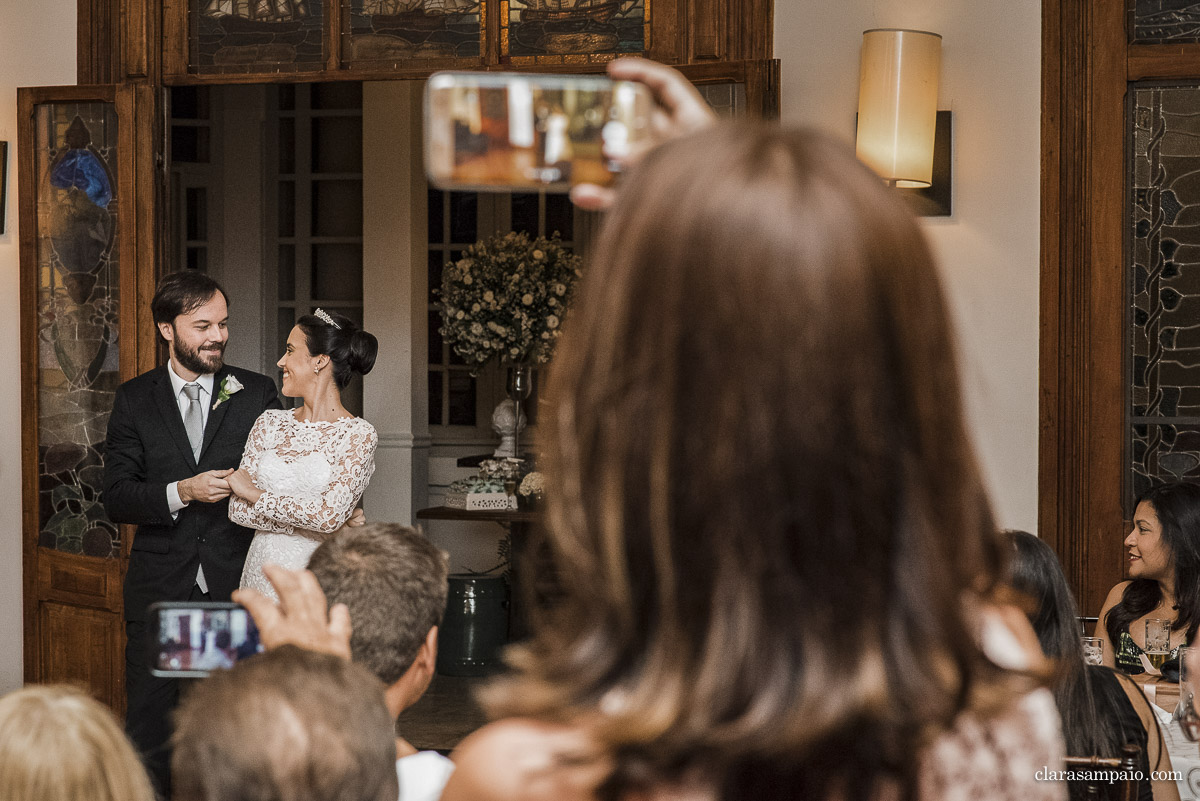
[[349, 348]]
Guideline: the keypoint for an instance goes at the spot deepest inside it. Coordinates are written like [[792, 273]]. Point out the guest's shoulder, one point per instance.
[[528, 760]]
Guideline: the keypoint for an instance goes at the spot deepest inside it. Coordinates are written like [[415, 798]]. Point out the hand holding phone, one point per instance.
[[678, 110], [302, 617]]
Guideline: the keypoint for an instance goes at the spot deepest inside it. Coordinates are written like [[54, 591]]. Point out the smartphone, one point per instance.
[[504, 131], [194, 639]]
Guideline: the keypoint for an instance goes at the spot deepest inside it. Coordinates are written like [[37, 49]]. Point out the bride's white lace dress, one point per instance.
[[311, 475]]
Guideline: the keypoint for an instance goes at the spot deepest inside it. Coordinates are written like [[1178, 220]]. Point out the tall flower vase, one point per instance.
[[519, 385]]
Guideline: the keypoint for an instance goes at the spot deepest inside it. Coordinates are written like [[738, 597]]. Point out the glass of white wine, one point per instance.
[[1158, 641], [1093, 651]]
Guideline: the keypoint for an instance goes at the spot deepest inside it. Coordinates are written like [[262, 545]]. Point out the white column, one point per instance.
[[394, 306]]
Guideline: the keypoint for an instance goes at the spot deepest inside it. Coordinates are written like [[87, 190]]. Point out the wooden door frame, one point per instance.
[[91, 585], [1083, 464]]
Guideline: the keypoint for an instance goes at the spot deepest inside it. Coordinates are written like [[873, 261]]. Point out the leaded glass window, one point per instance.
[[1164, 287], [255, 35], [402, 30], [77, 319], [572, 31], [1165, 21]]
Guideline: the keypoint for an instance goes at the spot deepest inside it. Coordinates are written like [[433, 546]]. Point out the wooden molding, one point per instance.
[[1081, 454]]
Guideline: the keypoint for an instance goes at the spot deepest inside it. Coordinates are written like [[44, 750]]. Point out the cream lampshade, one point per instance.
[[897, 104]]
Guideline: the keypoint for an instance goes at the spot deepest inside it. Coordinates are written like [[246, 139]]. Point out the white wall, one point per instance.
[[35, 49], [988, 250]]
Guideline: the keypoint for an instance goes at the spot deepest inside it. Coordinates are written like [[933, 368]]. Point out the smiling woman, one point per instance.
[[1163, 551]]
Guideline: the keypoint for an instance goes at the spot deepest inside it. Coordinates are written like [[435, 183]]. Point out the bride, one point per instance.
[[304, 469]]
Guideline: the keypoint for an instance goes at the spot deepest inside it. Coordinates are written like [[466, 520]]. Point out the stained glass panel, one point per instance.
[[572, 31], [78, 309], [1161, 21], [237, 36], [401, 30]]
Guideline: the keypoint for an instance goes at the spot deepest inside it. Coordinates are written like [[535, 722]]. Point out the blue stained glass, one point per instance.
[[83, 171]]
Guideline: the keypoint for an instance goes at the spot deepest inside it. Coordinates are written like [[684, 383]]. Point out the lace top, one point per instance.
[[311, 474], [998, 758]]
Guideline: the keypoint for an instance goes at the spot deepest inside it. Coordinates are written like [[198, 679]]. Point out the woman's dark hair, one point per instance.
[[762, 488], [181, 292], [1177, 506], [1036, 573], [349, 348]]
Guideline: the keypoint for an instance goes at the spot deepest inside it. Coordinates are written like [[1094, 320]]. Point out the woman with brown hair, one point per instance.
[[57, 744], [774, 541]]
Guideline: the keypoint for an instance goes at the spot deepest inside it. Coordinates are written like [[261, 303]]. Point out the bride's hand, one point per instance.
[[241, 485]]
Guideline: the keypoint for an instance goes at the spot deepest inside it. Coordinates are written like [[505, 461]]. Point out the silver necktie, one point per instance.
[[193, 418]]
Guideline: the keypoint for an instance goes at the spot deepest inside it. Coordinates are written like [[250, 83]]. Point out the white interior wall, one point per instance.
[[988, 250], [35, 50]]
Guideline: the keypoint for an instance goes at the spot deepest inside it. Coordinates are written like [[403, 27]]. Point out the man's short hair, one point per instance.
[[289, 724], [182, 292], [393, 579]]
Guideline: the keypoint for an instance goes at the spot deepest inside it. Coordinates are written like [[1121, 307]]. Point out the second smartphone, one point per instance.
[[530, 132]]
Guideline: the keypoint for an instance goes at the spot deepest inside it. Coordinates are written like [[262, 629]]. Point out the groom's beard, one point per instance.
[[206, 359]]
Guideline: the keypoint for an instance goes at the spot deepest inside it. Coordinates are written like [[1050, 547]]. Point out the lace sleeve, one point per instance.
[[241, 512], [353, 460]]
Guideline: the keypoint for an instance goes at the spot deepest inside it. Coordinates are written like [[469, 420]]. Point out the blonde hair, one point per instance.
[[58, 744]]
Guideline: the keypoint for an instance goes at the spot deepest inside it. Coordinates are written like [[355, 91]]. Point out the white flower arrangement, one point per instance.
[[506, 299], [533, 485]]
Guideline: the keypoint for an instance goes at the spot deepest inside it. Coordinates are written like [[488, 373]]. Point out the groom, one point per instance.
[[175, 433]]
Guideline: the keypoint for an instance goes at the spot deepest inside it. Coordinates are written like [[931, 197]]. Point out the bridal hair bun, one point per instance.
[[349, 348]]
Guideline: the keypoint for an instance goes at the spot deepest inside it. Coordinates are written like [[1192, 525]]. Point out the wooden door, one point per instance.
[[87, 188]]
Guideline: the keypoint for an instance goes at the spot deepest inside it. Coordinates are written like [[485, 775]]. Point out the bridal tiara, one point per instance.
[[325, 318]]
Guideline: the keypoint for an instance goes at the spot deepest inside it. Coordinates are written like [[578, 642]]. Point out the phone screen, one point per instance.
[[533, 132], [194, 639]]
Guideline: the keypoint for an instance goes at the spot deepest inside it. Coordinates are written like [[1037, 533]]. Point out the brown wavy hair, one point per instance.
[[763, 502]]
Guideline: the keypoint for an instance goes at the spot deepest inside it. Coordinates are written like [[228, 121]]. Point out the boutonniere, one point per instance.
[[229, 385]]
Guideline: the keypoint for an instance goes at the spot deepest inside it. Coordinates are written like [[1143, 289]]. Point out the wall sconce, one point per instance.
[[901, 134]]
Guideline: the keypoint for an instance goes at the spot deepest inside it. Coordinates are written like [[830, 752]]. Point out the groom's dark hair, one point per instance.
[[393, 580], [181, 292]]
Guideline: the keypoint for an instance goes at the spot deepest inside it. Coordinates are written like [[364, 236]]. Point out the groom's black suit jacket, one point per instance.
[[146, 449]]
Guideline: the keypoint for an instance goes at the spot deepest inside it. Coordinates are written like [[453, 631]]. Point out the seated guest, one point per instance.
[[1101, 709], [57, 744], [288, 724], [1164, 576], [774, 542], [392, 580]]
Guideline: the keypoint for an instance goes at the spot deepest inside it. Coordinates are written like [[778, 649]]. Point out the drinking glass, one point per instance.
[[1158, 641], [1093, 651]]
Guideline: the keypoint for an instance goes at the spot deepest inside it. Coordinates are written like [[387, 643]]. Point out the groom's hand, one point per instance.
[[207, 487], [302, 617]]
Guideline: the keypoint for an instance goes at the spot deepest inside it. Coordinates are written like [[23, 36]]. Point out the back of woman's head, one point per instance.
[[57, 744], [349, 348], [1036, 573], [763, 491]]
